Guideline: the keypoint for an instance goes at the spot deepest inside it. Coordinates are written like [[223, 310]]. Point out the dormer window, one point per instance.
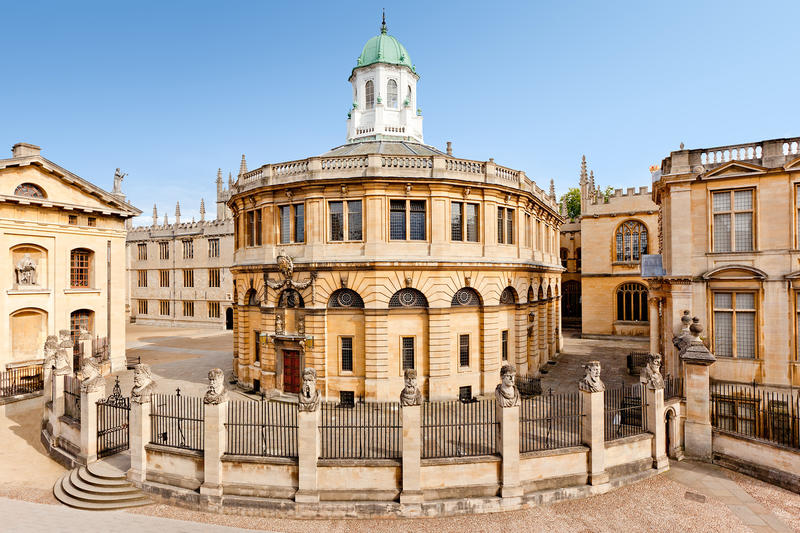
[[391, 94], [30, 190], [369, 95]]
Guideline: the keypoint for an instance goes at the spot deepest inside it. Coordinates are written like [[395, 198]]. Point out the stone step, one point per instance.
[[88, 477], [78, 483], [105, 470], [79, 501], [95, 497]]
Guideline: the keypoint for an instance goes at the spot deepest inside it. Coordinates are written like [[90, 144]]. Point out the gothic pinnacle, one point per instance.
[[552, 189], [583, 169], [243, 166], [177, 212], [155, 215], [202, 209]]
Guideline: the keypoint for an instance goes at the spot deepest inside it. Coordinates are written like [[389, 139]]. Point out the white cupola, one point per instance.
[[384, 93]]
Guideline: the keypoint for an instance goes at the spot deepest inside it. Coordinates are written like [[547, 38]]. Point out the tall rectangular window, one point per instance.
[[347, 354], [257, 346], [504, 344], [797, 214], [417, 220], [163, 278], [163, 307], [735, 324], [286, 221], [142, 307], [188, 308], [354, 220], [463, 350], [510, 227], [213, 247], [188, 249], [79, 268], [472, 222], [213, 277], [397, 220], [163, 249], [213, 309], [337, 220], [408, 352], [527, 230], [733, 221], [464, 222], [142, 250], [299, 222], [501, 226], [141, 278], [253, 229], [188, 278], [456, 221]]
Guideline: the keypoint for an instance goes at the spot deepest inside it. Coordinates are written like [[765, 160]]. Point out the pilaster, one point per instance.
[[508, 446], [214, 437], [89, 424], [139, 436], [376, 350], [411, 452], [489, 349], [308, 450], [654, 400], [593, 435]]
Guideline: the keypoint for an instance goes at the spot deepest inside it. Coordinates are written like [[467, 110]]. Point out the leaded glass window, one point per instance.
[[408, 352], [735, 324], [397, 220], [354, 231], [369, 95], [345, 298], [337, 221], [631, 241], [30, 190], [391, 94], [732, 221], [408, 297], [466, 297], [632, 302]]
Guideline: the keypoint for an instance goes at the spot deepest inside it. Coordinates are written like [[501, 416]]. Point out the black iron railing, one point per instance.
[[23, 380], [361, 431], [529, 386], [673, 388], [550, 421], [177, 421], [636, 361], [752, 411], [624, 412], [72, 397], [267, 429], [457, 429]]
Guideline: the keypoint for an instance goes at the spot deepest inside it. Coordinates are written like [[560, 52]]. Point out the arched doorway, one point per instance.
[[229, 318], [571, 300]]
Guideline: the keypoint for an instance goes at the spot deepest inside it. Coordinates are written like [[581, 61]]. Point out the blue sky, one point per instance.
[[170, 91]]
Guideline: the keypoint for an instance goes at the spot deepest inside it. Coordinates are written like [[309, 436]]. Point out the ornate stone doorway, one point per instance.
[[291, 371]]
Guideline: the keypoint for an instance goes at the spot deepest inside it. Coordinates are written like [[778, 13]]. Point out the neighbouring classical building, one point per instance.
[[602, 250], [385, 254], [63, 242], [179, 274], [730, 250]]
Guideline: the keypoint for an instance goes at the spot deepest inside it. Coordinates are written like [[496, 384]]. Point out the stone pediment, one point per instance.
[[735, 272], [794, 164], [735, 168], [61, 187]]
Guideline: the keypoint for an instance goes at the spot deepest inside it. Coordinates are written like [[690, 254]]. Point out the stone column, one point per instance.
[[89, 398], [652, 314], [593, 426], [697, 428], [215, 404], [139, 437], [507, 410], [412, 444], [57, 389], [308, 449]]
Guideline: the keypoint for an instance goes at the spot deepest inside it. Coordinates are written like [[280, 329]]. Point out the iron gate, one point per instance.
[[113, 417]]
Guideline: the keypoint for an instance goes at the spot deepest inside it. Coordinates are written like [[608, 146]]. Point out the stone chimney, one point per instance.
[[449, 148], [25, 150]]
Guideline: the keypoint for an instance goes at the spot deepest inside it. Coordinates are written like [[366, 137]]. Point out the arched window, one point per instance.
[[631, 239], [290, 298], [369, 95], [345, 298], [408, 298], [531, 296], [508, 296], [82, 318], [632, 302], [408, 96], [30, 190], [564, 255], [466, 297], [391, 94], [80, 268], [252, 298]]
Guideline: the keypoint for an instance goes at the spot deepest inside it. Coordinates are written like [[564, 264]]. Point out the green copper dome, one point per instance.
[[384, 48]]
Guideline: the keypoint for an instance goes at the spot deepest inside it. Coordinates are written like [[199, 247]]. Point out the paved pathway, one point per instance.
[[20, 516]]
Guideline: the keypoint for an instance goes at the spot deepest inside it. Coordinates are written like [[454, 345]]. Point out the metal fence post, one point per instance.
[[593, 435], [411, 453]]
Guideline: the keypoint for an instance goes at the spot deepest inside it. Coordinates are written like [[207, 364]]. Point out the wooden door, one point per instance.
[[291, 371]]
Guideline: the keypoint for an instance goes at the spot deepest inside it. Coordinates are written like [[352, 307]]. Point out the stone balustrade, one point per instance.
[[771, 153]]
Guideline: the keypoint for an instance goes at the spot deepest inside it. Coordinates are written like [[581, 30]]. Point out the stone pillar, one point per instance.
[[508, 446], [652, 314], [214, 439], [697, 428], [57, 388], [89, 398], [308, 449], [654, 398], [593, 426], [139, 437], [412, 444]]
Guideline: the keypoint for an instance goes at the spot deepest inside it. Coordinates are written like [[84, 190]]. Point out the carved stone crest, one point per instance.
[[506, 393], [286, 267], [410, 395], [591, 381], [651, 373], [143, 384], [309, 395], [216, 387]]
